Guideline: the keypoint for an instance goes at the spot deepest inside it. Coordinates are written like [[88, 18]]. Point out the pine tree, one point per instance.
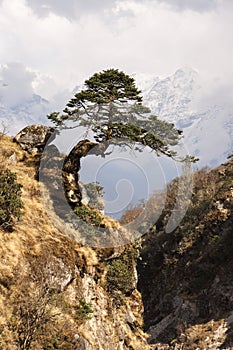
[[111, 107]]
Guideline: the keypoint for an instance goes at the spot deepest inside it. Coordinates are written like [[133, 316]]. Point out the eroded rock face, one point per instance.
[[109, 327], [186, 276], [33, 138], [60, 174]]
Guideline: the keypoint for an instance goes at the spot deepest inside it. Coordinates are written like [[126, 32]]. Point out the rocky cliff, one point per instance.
[[186, 276]]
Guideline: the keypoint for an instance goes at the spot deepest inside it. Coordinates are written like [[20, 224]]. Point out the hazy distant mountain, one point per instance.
[[208, 133]]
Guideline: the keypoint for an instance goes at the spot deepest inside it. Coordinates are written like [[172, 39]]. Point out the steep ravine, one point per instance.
[[186, 276]]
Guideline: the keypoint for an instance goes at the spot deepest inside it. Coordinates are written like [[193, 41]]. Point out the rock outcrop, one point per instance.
[[60, 172], [33, 138]]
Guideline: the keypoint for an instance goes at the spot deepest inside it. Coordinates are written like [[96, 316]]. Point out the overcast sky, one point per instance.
[[57, 44]]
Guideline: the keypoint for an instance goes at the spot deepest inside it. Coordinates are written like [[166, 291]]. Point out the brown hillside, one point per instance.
[[54, 293]]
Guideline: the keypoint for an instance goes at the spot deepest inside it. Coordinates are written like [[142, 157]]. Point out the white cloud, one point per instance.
[[197, 5], [15, 84], [155, 37], [71, 10], [76, 8]]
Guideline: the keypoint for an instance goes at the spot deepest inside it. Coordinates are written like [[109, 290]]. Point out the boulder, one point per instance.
[[33, 138]]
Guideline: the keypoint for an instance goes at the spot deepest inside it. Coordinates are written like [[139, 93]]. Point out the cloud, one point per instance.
[[196, 5], [15, 84], [147, 36], [72, 9], [76, 8]]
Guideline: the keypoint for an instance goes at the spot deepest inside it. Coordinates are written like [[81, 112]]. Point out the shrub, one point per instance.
[[84, 311], [10, 199], [91, 217], [120, 276]]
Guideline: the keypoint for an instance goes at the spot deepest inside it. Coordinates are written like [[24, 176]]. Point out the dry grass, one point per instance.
[[36, 224], [42, 236], [34, 234]]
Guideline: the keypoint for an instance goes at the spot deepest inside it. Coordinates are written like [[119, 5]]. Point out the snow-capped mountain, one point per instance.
[[170, 98], [210, 136], [208, 132]]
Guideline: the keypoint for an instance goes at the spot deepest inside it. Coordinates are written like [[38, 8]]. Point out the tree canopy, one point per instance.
[[110, 106]]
